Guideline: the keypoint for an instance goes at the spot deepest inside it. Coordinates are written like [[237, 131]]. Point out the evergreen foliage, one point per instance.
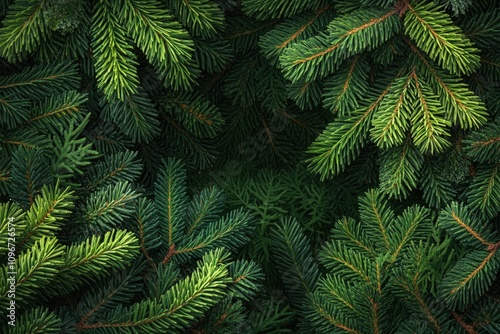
[[254, 166]]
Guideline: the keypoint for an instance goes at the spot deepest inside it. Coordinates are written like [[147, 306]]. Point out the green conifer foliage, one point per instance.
[[170, 250], [253, 166], [388, 273]]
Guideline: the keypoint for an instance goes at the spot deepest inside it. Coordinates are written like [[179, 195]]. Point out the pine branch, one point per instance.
[[203, 209], [185, 145], [306, 95], [70, 152], [245, 33], [428, 122], [400, 170], [297, 28], [135, 115], [107, 208], [353, 265], [36, 320], [120, 166], [482, 29], [40, 81], [212, 55], [22, 139], [171, 201], [272, 317], [292, 256], [36, 268], [115, 63], [23, 29], [11, 218], [226, 316], [346, 36], [196, 114], [377, 216], [342, 140], [45, 215], [411, 226], [162, 279], [327, 317], [109, 293], [483, 146], [462, 106], [262, 9], [29, 173], [344, 90], [437, 191], [13, 111], [391, 121], [230, 232], [58, 111], [350, 233], [472, 275], [465, 227], [147, 227], [434, 32], [203, 18], [185, 302], [94, 258], [246, 279], [166, 45], [483, 194]]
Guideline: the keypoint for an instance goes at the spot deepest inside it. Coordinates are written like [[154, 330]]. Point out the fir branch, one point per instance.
[[265, 9], [246, 279], [462, 106], [166, 45], [469, 278], [299, 27], [11, 218], [29, 173], [437, 190], [435, 33], [483, 146], [120, 166], [342, 140], [23, 29], [45, 214], [347, 35], [202, 17], [70, 152], [428, 122], [36, 320], [109, 293], [186, 301], [465, 227], [171, 201], [292, 256], [147, 227], [41, 81], [95, 258], [13, 111], [35, 268], [114, 60], [391, 121], [58, 111], [377, 216], [108, 207], [344, 90], [204, 209], [135, 115], [230, 232], [484, 191]]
